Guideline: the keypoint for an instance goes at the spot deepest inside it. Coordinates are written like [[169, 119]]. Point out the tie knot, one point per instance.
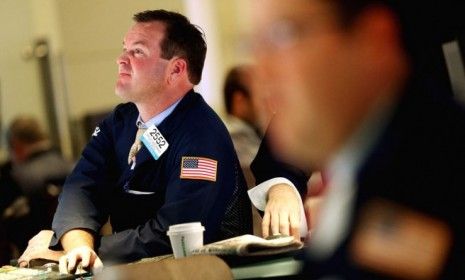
[[136, 146], [139, 133]]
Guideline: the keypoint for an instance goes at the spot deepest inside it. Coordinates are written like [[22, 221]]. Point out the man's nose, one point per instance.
[[122, 59]]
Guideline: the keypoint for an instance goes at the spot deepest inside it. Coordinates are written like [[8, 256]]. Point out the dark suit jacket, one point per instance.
[[143, 202], [419, 163], [267, 165]]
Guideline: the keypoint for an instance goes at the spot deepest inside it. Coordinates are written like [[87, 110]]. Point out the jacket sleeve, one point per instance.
[[81, 203]]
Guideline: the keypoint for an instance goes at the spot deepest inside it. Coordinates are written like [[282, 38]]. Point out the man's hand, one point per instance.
[[38, 248], [84, 255], [78, 244], [282, 212]]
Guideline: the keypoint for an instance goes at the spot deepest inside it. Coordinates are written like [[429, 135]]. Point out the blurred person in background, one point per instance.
[[241, 120], [281, 186], [247, 117], [361, 96], [30, 180]]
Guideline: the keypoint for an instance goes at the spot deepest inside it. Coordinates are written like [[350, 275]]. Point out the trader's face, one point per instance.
[[310, 66], [141, 70]]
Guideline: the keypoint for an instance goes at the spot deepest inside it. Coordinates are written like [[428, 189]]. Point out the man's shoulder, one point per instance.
[[125, 108], [422, 148], [197, 122], [201, 116], [122, 113]]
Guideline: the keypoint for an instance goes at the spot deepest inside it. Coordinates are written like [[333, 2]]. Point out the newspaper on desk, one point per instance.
[[8, 272], [250, 245], [41, 269]]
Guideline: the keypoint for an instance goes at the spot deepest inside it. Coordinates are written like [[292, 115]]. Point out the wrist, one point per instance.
[[77, 238], [279, 190]]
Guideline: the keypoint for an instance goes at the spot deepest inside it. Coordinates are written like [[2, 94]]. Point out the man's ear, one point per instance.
[[177, 68], [377, 37], [379, 32]]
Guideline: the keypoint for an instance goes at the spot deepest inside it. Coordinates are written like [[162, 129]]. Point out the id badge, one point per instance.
[[400, 242], [155, 141]]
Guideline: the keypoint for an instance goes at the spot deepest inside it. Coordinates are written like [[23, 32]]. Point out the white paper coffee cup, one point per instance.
[[185, 237]]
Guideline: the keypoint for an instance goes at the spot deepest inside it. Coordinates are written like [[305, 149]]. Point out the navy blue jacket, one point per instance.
[[267, 165], [419, 164], [100, 186]]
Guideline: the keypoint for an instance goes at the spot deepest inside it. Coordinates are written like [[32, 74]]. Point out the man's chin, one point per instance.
[[122, 94]]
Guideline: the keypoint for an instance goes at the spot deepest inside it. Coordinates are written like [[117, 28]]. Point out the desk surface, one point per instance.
[[281, 265], [16, 273], [286, 266]]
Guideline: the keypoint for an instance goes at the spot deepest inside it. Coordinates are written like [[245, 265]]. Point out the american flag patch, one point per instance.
[[198, 168]]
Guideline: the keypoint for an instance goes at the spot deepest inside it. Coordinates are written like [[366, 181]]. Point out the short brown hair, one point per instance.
[[182, 39], [236, 80]]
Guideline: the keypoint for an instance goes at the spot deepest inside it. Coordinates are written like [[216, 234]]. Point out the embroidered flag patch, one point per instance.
[[198, 168]]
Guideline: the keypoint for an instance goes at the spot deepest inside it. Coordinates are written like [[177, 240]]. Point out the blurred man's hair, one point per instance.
[[424, 27], [420, 21], [182, 39], [236, 80]]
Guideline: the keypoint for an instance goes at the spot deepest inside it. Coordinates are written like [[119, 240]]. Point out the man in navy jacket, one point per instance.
[[183, 168]]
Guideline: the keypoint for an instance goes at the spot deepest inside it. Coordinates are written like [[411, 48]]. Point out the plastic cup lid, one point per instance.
[[186, 227]]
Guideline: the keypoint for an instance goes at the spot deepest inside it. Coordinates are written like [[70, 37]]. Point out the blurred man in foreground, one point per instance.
[[359, 97]]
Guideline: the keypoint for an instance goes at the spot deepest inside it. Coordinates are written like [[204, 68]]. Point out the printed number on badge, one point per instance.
[[155, 141], [158, 138]]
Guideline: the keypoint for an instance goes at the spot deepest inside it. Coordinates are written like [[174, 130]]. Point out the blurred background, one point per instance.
[[57, 58]]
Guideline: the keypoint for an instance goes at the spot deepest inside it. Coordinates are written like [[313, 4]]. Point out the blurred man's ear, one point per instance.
[[378, 29], [378, 35]]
